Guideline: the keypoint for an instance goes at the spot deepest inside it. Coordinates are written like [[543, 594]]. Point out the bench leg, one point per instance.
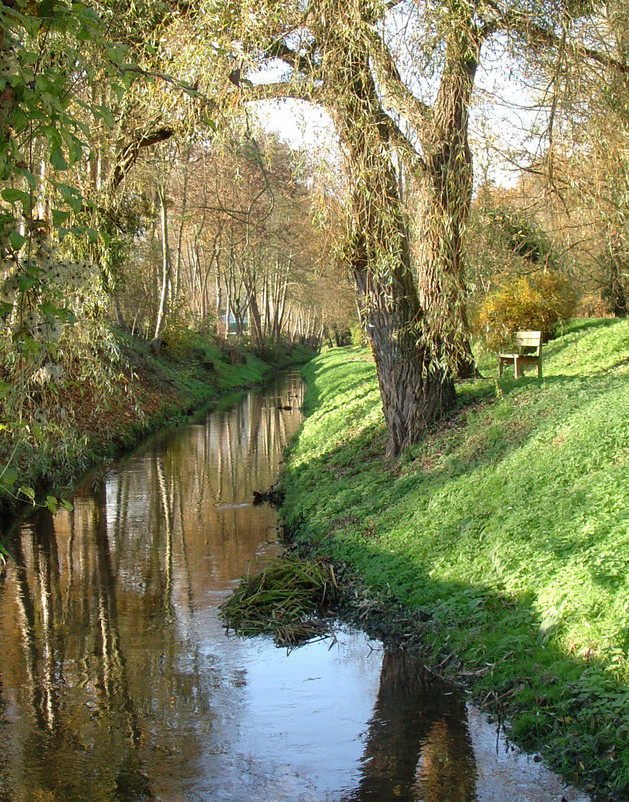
[[517, 368], [500, 368]]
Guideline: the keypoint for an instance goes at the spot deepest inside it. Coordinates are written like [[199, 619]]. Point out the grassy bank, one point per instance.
[[506, 534], [93, 414]]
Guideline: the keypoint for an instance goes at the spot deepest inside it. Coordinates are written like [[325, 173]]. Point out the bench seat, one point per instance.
[[528, 351]]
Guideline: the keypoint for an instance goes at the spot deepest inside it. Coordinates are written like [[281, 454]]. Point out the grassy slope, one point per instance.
[[507, 531]]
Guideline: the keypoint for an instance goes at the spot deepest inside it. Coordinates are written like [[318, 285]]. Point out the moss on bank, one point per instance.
[[505, 534], [73, 425]]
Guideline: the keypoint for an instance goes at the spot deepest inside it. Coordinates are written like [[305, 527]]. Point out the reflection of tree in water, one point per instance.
[[417, 745], [82, 722], [5, 763], [104, 685]]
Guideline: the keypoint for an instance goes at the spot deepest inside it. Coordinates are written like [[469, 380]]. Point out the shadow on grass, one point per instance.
[[568, 708], [343, 504]]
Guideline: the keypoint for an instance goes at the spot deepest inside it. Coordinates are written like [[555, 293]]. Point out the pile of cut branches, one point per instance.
[[287, 599]]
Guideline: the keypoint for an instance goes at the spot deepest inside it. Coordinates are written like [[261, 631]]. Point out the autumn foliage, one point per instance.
[[534, 302]]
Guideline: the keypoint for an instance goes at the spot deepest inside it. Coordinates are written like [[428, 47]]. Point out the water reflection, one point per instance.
[[117, 681], [417, 745]]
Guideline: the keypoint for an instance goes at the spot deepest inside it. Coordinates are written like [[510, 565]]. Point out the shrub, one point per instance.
[[538, 302]]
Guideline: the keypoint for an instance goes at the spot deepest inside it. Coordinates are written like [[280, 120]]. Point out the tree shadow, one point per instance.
[[564, 702]]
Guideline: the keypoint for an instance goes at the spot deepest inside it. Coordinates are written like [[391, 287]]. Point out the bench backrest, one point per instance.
[[529, 342]]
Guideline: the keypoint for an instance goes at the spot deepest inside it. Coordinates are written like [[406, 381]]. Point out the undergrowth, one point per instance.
[[506, 531], [95, 410]]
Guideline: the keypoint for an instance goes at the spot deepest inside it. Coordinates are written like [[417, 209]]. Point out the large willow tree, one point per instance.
[[337, 54]]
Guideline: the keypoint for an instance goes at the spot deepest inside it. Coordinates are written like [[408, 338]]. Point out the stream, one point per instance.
[[119, 682]]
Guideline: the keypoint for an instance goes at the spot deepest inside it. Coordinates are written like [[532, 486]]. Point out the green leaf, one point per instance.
[[46, 9], [52, 135], [8, 477], [59, 217], [19, 120], [119, 91], [30, 178], [107, 116], [14, 195], [17, 240], [5, 389], [75, 150], [65, 504], [57, 159], [27, 491], [51, 503], [26, 282], [71, 196]]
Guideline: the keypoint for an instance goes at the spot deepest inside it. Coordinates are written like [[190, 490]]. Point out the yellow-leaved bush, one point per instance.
[[537, 302]]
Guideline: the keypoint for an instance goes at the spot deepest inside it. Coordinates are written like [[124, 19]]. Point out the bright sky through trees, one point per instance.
[[505, 123]]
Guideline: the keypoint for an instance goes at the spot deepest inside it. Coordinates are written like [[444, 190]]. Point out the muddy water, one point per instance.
[[118, 682]]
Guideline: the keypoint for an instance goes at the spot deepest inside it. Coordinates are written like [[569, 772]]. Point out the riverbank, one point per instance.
[[500, 544], [73, 424]]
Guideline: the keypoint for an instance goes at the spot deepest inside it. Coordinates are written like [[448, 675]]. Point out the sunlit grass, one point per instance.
[[508, 526]]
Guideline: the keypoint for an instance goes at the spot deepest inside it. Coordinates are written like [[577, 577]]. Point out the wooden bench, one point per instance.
[[528, 352]]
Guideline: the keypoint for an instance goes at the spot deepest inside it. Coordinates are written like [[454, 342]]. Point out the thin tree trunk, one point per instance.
[[184, 201], [160, 324]]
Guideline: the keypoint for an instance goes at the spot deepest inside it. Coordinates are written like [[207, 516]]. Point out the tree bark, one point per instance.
[[447, 200], [615, 290]]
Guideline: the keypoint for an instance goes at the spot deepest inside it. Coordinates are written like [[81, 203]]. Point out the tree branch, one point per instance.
[[297, 61], [404, 147], [397, 96], [536, 34], [297, 90], [129, 154]]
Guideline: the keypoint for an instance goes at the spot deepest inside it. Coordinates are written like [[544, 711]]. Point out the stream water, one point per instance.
[[118, 681]]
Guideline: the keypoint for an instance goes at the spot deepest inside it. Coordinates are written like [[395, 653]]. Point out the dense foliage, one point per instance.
[[539, 302]]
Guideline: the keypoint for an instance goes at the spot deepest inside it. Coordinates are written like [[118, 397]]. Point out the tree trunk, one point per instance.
[[160, 324], [414, 386], [255, 323], [615, 290], [447, 200], [413, 392]]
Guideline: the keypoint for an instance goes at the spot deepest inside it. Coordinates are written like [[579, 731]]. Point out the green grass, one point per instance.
[[507, 529]]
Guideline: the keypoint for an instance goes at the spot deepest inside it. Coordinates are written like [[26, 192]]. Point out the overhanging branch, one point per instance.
[[128, 155], [296, 90]]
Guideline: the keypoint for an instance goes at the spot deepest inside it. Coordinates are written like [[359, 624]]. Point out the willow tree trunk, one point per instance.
[[615, 289], [414, 387]]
